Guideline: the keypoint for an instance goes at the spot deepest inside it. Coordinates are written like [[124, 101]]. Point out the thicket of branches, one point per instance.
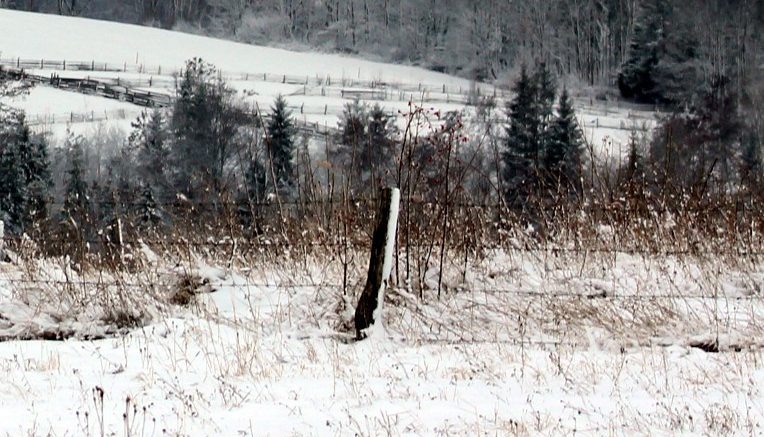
[[211, 171]]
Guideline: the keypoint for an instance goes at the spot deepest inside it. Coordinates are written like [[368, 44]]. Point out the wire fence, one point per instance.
[[291, 285]]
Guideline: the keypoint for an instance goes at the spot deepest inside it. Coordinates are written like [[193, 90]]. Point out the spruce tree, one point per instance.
[[521, 156], [24, 173], [281, 133], [352, 141], [205, 124], [376, 157], [76, 214], [256, 181], [661, 66], [12, 190], [149, 213], [565, 149], [149, 139]]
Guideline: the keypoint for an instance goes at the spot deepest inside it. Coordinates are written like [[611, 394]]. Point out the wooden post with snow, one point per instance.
[[369, 309]]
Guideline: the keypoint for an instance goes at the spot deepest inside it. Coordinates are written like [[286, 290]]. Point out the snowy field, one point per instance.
[[521, 342], [518, 346]]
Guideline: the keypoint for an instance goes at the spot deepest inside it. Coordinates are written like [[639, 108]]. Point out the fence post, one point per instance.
[[2, 254], [92, 65], [369, 309]]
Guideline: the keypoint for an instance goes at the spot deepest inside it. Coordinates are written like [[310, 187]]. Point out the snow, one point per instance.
[[258, 354], [78, 39]]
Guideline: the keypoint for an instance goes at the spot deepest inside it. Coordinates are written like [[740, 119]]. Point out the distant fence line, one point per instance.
[[129, 90], [65, 65], [444, 92]]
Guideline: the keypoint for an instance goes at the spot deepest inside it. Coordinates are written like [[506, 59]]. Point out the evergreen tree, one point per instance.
[[565, 149], [12, 190], [76, 215], [77, 193], [149, 213], [149, 139], [645, 49], [633, 175], [522, 153], [376, 157], [351, 141], [662, 64], [281, 133], [24, 173], [256, 181], [205, 125], [546, 90]]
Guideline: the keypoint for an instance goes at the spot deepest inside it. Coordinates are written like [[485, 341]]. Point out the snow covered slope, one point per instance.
[[39, 36]]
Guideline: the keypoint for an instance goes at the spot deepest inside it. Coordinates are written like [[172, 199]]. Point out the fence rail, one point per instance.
[[158, 70]]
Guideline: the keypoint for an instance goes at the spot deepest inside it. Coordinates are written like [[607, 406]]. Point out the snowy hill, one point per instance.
[[39, 36]]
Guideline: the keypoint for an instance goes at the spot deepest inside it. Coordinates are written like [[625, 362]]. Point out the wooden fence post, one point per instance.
[[369, 309], [2, 254]]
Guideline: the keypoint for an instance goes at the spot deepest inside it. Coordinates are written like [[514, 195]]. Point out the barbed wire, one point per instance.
[[521, 293]]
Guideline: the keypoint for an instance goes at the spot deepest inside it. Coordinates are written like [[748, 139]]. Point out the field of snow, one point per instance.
[[527, 347]]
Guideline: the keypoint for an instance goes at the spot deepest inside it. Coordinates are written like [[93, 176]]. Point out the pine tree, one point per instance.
[[149, 139], [645, 49], [38, 182], [523, 150], [376, 157], [149, 214], [24, 173], [352, 141], [76, 214], [634, 174], [204, 125], [563, 155], [546, 90], [662, 63], [12, 192], [281, 133], [257, 181]]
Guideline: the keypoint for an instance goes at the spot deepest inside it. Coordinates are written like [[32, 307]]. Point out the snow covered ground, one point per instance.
[[522, 346]]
